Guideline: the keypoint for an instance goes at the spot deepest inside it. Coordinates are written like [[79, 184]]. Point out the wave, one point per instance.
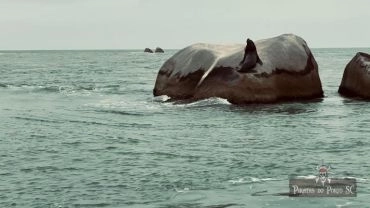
[[85, 122], [109, 89], [349, 177], [252, 180], [51, 88], [120, 112], [161, 99], [37, 119], [209, 102], [67, 89]]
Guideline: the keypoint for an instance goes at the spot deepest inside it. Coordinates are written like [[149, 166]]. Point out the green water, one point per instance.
[[82, 129]]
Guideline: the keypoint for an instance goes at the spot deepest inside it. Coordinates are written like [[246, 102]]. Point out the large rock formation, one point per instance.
[[356, 77], [159, 50], [271, 70], [148, 50]]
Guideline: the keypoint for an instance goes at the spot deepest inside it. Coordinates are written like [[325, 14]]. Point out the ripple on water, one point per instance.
[[82, 129]]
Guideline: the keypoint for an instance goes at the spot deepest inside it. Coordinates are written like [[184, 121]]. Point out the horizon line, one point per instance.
[[137, 49]]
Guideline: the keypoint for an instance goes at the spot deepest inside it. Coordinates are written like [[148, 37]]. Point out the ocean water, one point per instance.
[[82, 129]]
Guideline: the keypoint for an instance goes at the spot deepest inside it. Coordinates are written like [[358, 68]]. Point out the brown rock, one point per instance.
[[356, 77], [287, 71]]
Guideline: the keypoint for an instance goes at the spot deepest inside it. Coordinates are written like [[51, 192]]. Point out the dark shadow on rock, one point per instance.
[[148, 50], [159, 50]]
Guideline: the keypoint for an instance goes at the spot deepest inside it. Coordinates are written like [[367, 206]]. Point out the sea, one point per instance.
[[82, 129]]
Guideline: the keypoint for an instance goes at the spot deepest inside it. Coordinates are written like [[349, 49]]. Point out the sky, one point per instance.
[[174, 24]]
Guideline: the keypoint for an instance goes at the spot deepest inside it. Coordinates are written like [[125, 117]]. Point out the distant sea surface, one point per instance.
[[82, 129]]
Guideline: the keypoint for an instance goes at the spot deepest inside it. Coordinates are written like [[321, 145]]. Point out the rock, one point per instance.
[[356, 77], [285, 70], [159, 50], [148, 50]]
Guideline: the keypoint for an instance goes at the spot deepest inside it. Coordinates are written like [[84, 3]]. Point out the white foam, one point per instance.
[[252, 180], [182, 190], [162, 98], [347, 204], [209, 101]]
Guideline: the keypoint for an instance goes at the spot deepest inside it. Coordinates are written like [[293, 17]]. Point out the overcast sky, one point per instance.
[[136, 24]]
